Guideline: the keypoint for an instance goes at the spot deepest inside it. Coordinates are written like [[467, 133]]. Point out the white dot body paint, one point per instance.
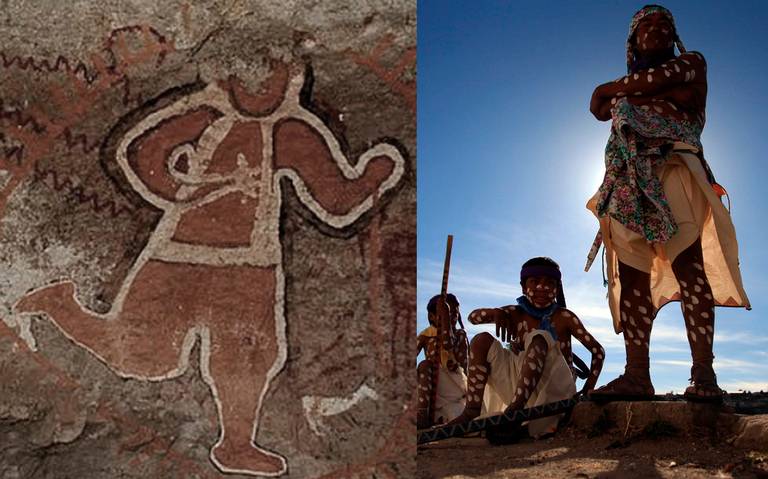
[[647, 320], [613, 101], [708, 296], [698, 266], [594, 350], [694, 299], [599, 356], [627, 303], [471, 388], [626, 343], [630, 334], [658, 109], [621, 93], [526, 381], [632, 321], [638, 93], [480, 377], [645, 108], [702, 330], [640, 334], [689, 307], [692, 335], [532, 365], [623, 316], [519, 391], [642, 309], [677, 68], [482, 368], [709, 339], [421, 400], [650, 78], [636, 292], [587, 338], [705, 315], [579, 331], [626, 80], [700, 280], [697, 288], [476, 398], [651, 70], [635, 76], [691, 321], [637, 342], [710, 329], [685, 61], [683, 284], [672, 105], [686, 293]]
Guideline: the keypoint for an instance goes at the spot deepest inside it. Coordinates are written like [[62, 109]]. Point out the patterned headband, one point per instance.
[[549, 271], [637, 17]]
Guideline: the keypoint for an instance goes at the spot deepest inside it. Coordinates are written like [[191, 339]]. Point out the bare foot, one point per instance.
[[466, 416]]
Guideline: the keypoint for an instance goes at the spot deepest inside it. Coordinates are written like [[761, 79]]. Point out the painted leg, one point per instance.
[[698, 308], [637, 314], [477, 377], [143, 342], [530, 373], [245, 354], [425, 370], [238, 374]]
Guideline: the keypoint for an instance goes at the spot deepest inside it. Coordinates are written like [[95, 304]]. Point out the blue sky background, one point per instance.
[[509, 155]]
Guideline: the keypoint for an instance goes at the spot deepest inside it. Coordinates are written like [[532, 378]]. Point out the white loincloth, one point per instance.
[[451, 392], [556, 381]]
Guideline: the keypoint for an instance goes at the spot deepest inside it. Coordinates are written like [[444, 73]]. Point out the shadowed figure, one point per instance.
[[213, 163]]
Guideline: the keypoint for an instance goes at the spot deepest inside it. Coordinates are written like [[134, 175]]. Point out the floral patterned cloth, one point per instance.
[[631, 193]]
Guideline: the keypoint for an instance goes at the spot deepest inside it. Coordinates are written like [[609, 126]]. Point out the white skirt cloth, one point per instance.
[[556, 381]]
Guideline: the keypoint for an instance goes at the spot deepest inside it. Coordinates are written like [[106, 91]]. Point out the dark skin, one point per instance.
[[675, 88], [678, 86], [512, 323], [457, 337]]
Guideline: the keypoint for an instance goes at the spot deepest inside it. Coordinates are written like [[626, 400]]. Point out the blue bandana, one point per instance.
[[542, 314]]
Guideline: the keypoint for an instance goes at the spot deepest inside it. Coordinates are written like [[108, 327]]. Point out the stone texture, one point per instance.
[[70, 90]]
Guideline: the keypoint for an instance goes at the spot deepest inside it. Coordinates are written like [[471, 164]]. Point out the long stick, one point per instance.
[[440, 338]]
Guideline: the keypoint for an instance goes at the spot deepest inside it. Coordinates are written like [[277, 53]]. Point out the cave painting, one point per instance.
[[213, 161]]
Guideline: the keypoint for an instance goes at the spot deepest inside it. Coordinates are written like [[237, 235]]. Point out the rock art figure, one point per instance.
[[213, 163]]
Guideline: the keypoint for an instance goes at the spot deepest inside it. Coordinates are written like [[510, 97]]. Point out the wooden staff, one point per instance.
[[437, 361]]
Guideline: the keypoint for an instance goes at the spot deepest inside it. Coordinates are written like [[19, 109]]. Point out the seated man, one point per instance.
[[502, 379], [442, 383]]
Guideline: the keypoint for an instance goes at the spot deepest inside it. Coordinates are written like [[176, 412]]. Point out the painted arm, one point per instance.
[[579, 332], [337, 192], [503, 318], [678, 78]]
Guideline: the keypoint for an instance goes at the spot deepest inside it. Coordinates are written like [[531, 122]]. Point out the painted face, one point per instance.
[[654, 33], [540, 290]]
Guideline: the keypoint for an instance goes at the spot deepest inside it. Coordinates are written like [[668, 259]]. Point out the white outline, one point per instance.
[[264, 250]]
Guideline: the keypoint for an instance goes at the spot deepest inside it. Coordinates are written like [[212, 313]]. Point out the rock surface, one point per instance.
[[71, 92], [617, 440]]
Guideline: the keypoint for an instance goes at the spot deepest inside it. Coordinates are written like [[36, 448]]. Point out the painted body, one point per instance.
[[212, 269]]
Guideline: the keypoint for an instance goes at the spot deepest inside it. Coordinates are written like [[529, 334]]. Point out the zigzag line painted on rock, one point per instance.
[[62, 64], [8, 152], [72, 141], [79, 193], [520, 415], [17, 117]]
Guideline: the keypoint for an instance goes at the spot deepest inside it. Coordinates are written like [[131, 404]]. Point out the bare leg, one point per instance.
[[530, 373], [698, 307], [478, 370], [637, 314], [425, 369]]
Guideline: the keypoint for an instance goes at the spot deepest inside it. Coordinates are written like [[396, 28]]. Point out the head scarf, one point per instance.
[[642, 13], [551, 271]]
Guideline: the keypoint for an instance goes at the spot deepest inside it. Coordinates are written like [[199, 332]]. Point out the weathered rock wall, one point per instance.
[[201, 203]]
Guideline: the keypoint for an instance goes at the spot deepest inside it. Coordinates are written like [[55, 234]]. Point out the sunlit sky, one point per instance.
[[509, 155]]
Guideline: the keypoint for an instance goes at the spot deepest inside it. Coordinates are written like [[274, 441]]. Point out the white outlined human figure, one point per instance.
[[212, 269]]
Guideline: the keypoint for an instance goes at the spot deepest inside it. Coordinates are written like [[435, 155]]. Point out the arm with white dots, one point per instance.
[[460, 348], [580, 332], [688, 68], [502, 317]]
